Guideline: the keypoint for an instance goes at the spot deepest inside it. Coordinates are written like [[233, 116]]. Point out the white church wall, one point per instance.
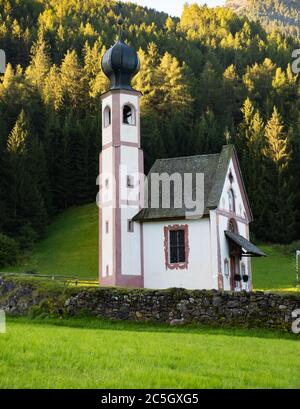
[[131, 252], [198, 274], [224, 216], [214, 247], [107, 213]]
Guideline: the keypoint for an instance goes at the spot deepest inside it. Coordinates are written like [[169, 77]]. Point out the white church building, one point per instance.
[[163, 247]]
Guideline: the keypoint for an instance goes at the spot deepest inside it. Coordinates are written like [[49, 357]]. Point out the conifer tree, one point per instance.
[[279, 196]]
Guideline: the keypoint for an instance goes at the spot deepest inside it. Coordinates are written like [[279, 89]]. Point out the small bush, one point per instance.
[[27, 237], [9, 251], [289, 249]]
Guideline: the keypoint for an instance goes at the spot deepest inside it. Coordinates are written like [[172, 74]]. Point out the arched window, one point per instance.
[[107, 116], [231, 199], [232, 226], [226, 268], [128, 115]]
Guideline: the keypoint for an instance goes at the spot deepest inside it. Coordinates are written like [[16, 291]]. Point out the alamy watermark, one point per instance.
[[158, 191], [296, 62], [296, 323], [2, 322], [2, 61]]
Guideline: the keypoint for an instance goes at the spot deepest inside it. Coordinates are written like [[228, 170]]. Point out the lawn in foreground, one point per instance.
[[79, 354]]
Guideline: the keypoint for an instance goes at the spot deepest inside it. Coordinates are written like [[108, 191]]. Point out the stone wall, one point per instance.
[[173, 306]]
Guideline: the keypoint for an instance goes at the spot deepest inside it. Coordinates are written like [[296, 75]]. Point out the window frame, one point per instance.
[[167, 247], [130, 226], [231, 200], [105, 123], [133, 111], [130, 182]]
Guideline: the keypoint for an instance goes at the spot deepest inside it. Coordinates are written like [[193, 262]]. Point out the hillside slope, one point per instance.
[[282, 14], [71, 246]]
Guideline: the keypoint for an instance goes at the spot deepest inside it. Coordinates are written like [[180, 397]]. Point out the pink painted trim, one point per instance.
[[242, 186], [116, 120], [117, 246], [117, 91], [220, 282], [232, 215], [250, 282], [218, 247], [129, 144], [141, 205], [138, 119], [130, 281], [177, 266], [142, 252], [100, 223]]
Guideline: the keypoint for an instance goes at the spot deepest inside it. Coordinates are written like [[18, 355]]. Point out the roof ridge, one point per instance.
[[190, 156]]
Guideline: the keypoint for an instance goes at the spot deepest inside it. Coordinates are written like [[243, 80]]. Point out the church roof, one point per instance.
[[213, 166]]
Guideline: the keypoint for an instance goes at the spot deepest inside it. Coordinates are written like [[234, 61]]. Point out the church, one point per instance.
[[158, 247]]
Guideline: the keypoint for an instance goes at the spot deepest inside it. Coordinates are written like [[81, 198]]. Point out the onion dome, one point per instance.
[[120, 64]]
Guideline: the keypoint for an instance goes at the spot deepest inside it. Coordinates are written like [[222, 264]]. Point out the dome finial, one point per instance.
[[120, 23], [120, 63]]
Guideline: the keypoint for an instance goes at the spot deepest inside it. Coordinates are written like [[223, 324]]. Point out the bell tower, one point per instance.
[[121, 169]]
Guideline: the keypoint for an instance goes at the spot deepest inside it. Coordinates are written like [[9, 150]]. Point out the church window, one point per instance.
[[231, 199], [232, 226], [130, 226], [107, 116], [106, 227], [130, 181], [177, 247], [226, 268], [128, 115]]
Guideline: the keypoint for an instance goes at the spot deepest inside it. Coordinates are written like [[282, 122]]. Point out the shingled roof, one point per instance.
[[214, 167]]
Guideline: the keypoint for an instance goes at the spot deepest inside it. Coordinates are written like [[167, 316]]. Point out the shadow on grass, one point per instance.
[[116, 325]]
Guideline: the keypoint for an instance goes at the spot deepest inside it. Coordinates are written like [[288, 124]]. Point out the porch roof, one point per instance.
[[249, 248]]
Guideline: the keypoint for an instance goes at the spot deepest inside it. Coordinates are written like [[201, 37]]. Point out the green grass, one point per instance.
[[71, 246], [99, 354], [277, 272]]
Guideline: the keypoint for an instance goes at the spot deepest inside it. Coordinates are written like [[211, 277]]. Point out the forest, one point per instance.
[[208, 79], [283, 15]]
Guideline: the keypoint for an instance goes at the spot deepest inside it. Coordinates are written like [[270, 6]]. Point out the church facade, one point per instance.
[[163, 246]]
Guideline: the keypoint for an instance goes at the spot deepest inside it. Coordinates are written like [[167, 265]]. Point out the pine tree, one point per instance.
[[279, 195], [18, 136], [39, 66], [72, 80]]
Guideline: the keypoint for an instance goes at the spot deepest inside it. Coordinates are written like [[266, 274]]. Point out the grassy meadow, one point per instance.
[[99, 354], [70, 248], [277, 272], [86, 353]]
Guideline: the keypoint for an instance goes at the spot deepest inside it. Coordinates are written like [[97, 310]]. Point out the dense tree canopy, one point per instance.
[[207, 79]]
